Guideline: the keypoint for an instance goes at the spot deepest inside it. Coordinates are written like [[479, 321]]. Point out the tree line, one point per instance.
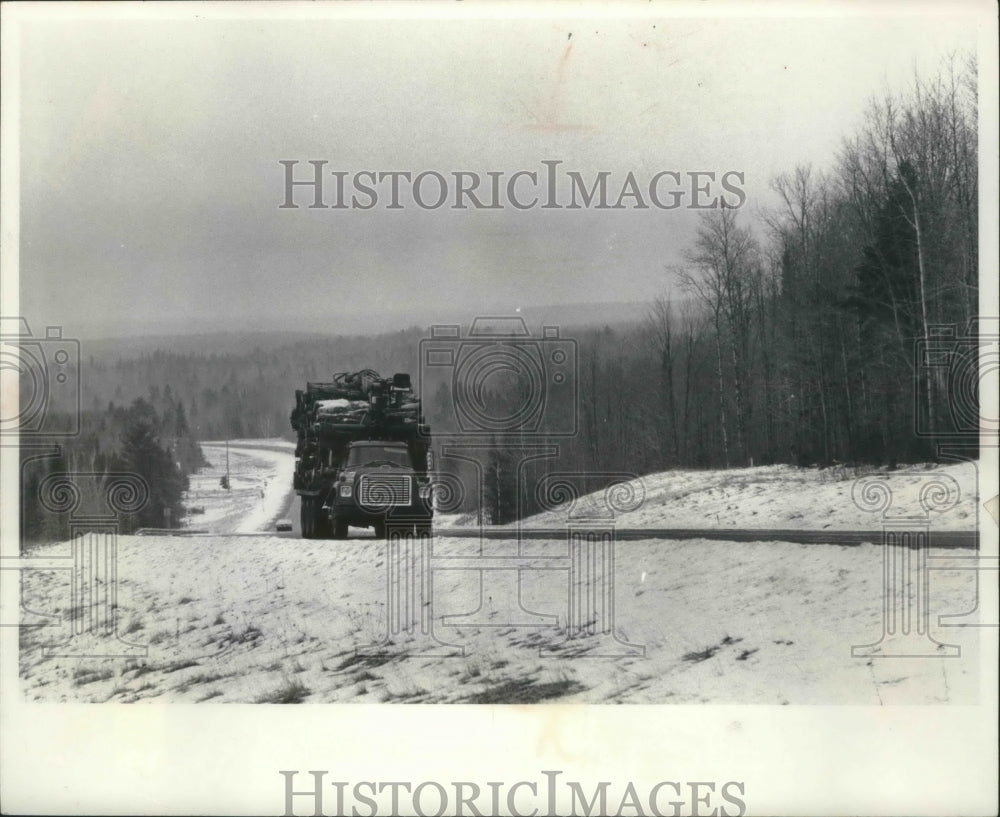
[[245, 391], [816, 323], [800, 338], [789, 337], [151, 443]]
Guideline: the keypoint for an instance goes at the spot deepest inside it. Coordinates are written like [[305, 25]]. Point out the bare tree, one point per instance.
[[723, 263], [659, 324]]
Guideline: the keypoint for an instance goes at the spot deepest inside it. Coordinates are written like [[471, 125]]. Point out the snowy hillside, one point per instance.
[[777, 496], [268, 619], [236, 618]]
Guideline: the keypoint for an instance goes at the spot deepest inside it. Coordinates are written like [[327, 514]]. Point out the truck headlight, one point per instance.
[[346, 491]]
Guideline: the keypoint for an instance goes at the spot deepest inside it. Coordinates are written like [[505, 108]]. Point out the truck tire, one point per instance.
[[307, 518]]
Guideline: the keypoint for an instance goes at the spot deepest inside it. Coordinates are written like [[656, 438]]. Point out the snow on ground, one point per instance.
[[783, 497], [776, 496], [259, 487], [277, 443], [267, 619]]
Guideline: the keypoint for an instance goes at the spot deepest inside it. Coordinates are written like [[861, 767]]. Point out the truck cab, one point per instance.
[[380, 483]]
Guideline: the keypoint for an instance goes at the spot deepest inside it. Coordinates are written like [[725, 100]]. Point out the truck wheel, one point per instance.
[[307, 518]]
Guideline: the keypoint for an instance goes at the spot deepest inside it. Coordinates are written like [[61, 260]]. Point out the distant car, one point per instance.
[[283, 524]]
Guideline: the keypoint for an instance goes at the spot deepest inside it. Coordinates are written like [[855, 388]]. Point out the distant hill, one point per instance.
[[234, 334]]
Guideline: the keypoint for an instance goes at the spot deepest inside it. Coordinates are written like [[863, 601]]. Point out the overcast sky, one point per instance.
[[151, 183]]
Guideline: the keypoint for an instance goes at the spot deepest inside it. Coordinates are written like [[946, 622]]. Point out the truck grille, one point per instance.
[[385, 490]]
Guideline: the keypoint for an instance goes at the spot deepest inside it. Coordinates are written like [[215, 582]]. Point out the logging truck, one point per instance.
[[362, 457]]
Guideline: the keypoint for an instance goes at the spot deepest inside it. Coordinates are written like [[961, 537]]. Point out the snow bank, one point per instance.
[[785, 497]]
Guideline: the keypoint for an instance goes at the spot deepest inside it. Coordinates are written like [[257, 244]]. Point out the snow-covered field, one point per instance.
[[266, 619]]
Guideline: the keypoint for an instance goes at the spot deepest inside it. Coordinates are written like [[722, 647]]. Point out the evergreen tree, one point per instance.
[[143, 454]]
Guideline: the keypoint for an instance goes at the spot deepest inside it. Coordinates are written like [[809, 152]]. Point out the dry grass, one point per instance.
[[290, 692], [88, 676], [525, 691]]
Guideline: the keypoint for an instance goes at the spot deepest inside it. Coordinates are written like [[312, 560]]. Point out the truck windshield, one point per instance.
[[366, 454]]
